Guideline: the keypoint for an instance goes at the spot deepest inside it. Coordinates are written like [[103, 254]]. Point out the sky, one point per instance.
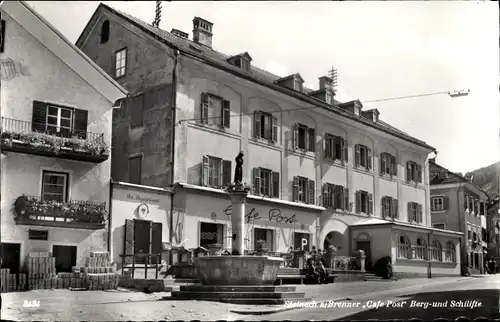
[[380, 49]]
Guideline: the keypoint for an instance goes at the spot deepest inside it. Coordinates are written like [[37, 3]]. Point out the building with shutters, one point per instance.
[[493, 231], [326, 172], [56, 107], [457, 204]]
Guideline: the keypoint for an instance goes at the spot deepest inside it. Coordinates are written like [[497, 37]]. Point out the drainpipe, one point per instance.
[[429, 274], [172, 149], [110, 217]]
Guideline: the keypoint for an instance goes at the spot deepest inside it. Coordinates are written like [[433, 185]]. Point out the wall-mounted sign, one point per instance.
[[142, 211], [142, 198], [38, 234]]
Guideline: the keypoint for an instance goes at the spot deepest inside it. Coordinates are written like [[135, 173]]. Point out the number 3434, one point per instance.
[[33, 303]]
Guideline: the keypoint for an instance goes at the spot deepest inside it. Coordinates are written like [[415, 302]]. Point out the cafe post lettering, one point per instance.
[[274, 214]]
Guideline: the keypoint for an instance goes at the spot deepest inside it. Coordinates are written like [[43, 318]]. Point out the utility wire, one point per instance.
[[315, 107]]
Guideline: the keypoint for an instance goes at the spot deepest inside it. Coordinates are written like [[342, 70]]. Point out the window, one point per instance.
[[335, 197], [363, 157], [121, 63], [265, 235], [482, 208], [297, 241], [215, 110], [449, 253], [304, 138], [266, 182], [136, 111], [135, 169], [421, 249], [469, 232], [216, 172], [415, 212], [439, 226], [265, 126], [298, 85], [388, 164], [436, 251], [304, 190], [210, 234], [335, 148], [364, 202], [105, 32], [413, 172], [2, 36], [55, 186], [59, 120], [404, 247], [437, 204], [475, 237], [389, 208]]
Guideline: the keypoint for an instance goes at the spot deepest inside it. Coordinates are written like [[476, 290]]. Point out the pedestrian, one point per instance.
[[312, 276], [323, 274]]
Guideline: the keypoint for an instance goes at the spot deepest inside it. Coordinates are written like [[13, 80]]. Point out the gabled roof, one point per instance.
[[296, 75], [60, 46], [254, 74], [435, 169], [244, 55]]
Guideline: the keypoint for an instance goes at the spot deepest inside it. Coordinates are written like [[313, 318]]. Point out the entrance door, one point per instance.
[[142, 230], [11, 256], [366, 247], [65, 258]]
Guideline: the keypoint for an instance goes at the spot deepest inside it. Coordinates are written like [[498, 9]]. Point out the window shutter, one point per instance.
[[327, 147], [357, 155], [410, 215], [134, 170], [2, 36], [394, 166], [136, 111], [311, 189], [226, 172], [346, 199], [204, 107], [346, 151], [274, 121], [394, 208], [275, 184], [295, 138], [295, 189], [419, 173], [338, 191], [226, 114], [80, 123], [311, 135], [382, 163], [128, 237], [445, 203], [358, 202], [384, 208], [370, 203], [156, 241], [256, 181], [408, 171], [419, 209], [466, 202], [204, 171], [369, 159], [337, 140], [39, 117], [324, 191]]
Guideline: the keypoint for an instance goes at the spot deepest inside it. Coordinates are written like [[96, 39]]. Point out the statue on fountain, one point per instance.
[[238, 175]]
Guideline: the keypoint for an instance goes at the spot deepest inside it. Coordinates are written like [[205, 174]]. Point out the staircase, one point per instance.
[[239, 294]]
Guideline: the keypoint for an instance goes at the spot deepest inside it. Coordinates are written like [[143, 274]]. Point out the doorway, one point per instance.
[[65, 258], [141, 239], [365, 246], [11, 256]]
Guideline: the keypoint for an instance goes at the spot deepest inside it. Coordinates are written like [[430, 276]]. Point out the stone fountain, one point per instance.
[[238, 278]]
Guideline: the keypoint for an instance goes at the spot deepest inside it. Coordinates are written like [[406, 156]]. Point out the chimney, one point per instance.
[[179, 33], [325, 82], [202, 31]]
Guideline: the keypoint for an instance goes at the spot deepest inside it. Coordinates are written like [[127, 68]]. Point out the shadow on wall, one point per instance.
[[440, 306], [118, 245], [194, 174]]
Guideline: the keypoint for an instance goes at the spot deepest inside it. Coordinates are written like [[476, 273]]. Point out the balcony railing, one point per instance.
[[18, 136], [31, 210]]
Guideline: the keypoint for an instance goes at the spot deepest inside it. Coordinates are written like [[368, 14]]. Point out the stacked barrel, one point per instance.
[[99, 273], [12, 282], [41, 268]]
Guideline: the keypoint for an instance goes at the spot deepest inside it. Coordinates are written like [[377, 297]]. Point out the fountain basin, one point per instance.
[[237, 270]]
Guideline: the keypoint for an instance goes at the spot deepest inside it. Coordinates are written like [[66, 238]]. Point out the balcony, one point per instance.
[[34, 211], [18, 136]]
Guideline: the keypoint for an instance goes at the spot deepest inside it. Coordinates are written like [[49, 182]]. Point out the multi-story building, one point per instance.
[[493, 231], [322, 172], [457, 204], [56, 107]]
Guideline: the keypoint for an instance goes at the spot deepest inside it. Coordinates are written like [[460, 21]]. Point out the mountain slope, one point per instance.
[[487, 179]]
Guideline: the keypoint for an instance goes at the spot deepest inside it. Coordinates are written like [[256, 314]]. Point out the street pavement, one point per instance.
[[471, 298], [122, 304]]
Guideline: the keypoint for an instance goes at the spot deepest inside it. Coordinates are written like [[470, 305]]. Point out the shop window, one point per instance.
[[421, 249], [449, 254], [297, 241], [210, 234], [266, 235], [436, 251], [404, 247]]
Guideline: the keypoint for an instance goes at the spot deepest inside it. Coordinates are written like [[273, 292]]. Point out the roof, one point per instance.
[[254, 74], [377, 221], [435, 169], [53, 40]]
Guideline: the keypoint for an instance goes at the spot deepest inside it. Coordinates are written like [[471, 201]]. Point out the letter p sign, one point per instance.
[[304, 243]]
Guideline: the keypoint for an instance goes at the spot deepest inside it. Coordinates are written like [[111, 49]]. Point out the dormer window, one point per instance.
[[329, 98], [357, 110], [242, 61], [297, 85], [294, 82]]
